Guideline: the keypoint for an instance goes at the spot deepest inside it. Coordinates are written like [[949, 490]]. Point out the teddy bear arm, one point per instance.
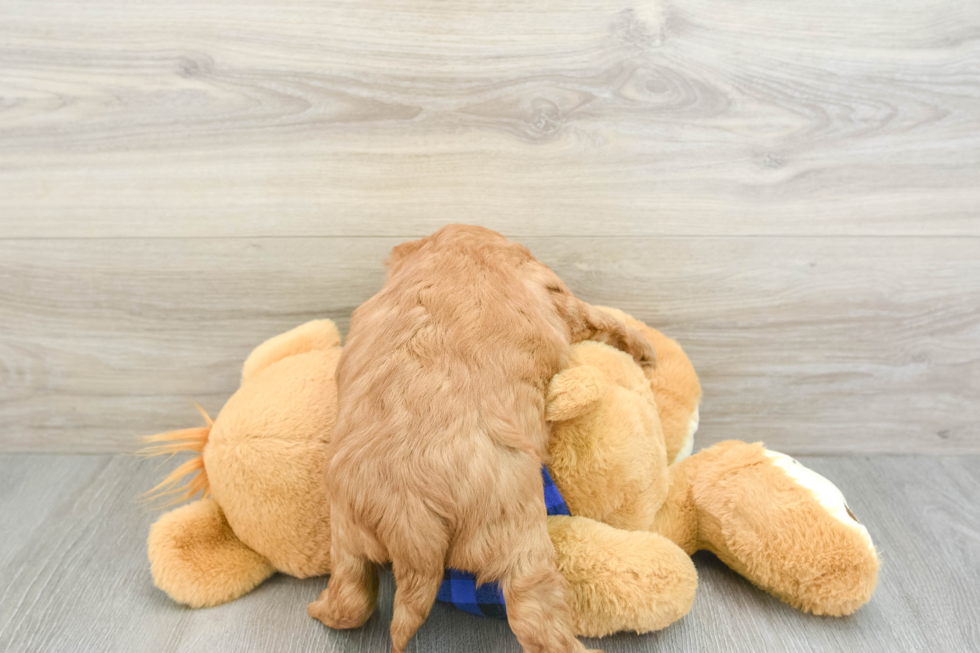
[[621, 580], [574, 391], [197, 559]]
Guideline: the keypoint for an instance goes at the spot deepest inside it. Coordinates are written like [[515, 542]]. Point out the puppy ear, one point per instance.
[[400, 253], [573, 392]]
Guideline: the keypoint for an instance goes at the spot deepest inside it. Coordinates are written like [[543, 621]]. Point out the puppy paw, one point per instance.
[[326, 613]]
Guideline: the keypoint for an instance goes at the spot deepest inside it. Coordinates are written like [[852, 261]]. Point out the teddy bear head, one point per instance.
[[675, 386], [268, 446], [609, 449]]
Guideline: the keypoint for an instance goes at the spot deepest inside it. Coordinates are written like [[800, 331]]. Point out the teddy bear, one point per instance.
[[640, 502], [621, 455]]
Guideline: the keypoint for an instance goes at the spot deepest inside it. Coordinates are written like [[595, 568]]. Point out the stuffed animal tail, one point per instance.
[[174, 442]]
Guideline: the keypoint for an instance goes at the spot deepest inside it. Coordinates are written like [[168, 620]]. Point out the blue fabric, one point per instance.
[[459, 587]]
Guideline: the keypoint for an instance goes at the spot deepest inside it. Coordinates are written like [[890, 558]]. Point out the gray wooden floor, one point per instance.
[[75, 575]]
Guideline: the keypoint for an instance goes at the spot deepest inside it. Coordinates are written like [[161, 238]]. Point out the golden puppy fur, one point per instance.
[[441, 433]]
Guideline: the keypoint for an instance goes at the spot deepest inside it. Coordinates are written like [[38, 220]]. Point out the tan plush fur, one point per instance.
[[316, 335], [196, 557], [441, 433], [731, 498], [264, 456], [621, 580], [265, 460], [674, 384], [607, 447]]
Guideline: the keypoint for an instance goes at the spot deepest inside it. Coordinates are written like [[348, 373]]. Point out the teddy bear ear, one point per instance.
[[312, 336], [573, 392]]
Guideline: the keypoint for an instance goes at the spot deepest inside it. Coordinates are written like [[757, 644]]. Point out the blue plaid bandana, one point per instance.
[[459, 587]]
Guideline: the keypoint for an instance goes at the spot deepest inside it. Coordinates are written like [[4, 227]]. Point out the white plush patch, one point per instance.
[[692, 428], [828, 496]]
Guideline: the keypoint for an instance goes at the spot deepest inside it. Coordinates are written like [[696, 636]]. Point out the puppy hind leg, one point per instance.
[[418, 564], [415, 592], [537, 601], [351, 594]]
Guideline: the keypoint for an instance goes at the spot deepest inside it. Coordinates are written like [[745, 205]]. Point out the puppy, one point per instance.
[[441, 434]]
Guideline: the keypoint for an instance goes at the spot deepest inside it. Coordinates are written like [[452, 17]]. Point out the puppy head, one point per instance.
[[400, 254], [463, 238]]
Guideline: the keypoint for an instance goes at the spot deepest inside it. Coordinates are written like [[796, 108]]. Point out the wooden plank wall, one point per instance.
[[790, 188]]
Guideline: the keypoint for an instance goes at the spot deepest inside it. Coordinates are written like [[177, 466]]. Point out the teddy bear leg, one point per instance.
[[677, 519], [198, 560], [782, 526], [621, 580]]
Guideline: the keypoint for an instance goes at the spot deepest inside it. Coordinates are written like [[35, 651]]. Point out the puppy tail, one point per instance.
[[174, 442]]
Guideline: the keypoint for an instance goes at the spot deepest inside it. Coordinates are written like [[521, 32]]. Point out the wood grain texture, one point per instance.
[[813, 345], [789, 187], [76, 578], [561, 117]]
